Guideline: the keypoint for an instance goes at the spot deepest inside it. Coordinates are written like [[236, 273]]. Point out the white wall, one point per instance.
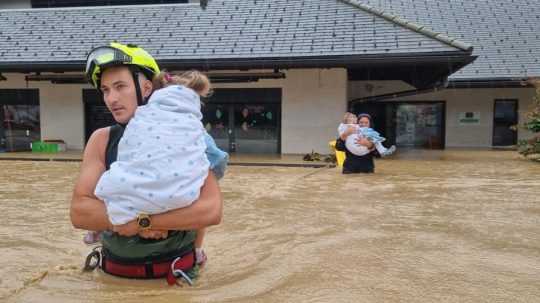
[[458, 100], [61, 109], [313, 106], [10, 4]]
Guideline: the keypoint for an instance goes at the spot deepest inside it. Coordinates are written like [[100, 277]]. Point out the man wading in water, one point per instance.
[[148, 247]]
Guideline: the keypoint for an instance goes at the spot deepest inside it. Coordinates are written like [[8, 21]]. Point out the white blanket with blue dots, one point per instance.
[[161, 161]]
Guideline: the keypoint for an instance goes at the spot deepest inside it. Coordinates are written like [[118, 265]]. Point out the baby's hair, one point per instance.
[[347, 116], [193, 79]]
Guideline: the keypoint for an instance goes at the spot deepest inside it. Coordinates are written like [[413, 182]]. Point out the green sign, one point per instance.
[[469, 118]]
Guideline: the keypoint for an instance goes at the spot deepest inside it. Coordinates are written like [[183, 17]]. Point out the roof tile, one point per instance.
[[297, 28], [499, 29]]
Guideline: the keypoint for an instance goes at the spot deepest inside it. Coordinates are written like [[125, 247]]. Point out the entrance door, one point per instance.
[[505, 116], [245, 120], [19, 119]]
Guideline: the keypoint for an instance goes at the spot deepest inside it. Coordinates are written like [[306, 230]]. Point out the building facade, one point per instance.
[[284, 71]]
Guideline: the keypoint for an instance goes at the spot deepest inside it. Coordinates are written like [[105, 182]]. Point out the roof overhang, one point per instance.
[[420, 70], [489, 83], [216, 77]]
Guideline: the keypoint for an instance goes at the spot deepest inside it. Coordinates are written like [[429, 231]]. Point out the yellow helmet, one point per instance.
[[117, 54]]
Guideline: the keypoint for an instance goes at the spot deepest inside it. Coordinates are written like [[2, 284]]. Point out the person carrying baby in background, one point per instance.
[[361, 129]]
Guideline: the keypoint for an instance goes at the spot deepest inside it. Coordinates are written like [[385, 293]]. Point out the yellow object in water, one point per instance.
[[340, 156]]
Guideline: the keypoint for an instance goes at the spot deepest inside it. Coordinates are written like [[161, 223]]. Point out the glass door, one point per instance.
[[504, 118], [420, 125], [19, 119], [216, 119], [246, 120], [243, 128], [256, 128], [20, 127]]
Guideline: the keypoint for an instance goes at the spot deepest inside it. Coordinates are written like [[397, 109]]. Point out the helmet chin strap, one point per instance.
[[140, 99], [135, 74]]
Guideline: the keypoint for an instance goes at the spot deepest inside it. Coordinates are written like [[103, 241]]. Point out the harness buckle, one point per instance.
[[178, 273], [93, 260]]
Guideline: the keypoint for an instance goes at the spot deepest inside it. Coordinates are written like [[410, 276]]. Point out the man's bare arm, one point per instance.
[[87, 211]]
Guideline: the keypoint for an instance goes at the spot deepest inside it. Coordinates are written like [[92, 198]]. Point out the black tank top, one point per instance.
[[111, 153]]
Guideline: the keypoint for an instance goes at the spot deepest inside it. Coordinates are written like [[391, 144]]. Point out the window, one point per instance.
[[19, 119], [73, 3], [505, 119]]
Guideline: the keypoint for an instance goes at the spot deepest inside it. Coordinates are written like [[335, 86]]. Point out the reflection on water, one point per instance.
[[451, 226]]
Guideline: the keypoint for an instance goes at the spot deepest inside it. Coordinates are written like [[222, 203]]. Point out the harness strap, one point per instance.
[[149, 270]]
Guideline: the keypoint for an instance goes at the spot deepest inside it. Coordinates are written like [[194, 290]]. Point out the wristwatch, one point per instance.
[[144, 221]]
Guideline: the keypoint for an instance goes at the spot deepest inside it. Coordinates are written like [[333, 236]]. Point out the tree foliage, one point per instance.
[[531, 147]]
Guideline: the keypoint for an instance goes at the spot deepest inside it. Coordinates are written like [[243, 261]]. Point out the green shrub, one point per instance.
[[531, 147]]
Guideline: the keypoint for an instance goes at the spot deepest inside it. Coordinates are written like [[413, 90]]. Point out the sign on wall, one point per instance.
[[469, 118]]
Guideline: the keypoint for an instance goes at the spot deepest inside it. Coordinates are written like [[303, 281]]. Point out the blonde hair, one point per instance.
[[347, 116], [193, 79]]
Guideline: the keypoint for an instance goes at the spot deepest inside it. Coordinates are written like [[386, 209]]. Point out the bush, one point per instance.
[[531, 148], [527, 147]]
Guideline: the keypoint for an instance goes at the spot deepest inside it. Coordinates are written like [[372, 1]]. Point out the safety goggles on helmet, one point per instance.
[[118, 54]]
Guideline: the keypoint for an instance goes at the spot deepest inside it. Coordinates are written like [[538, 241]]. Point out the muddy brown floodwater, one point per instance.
[[429, 226]]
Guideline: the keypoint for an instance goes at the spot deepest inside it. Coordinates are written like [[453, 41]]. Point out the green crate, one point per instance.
[[43, 147], [37, 146], [51, 147]]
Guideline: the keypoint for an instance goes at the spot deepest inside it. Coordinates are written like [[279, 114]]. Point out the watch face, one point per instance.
[[144, 222]]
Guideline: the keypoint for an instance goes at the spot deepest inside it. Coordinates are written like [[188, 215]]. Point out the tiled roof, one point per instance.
[[411, 25], [505, 33], [227, 29]]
